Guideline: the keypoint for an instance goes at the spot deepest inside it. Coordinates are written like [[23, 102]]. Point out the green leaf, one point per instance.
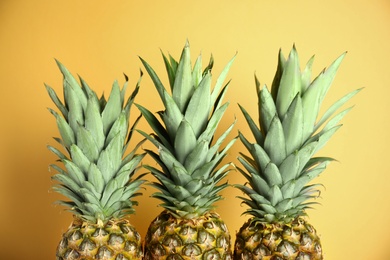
[[194, 185], [95, 177], [205, 191], [57, 101], [197, 72], [124, 88], [276, 195], [268, 208], [71, 82], [119, 129], [267, 110], [248, 165], [197, 157], [129, 168], [214, 148], [74, 197], [57, 152], [170, 68], [67, 181], [334, 107], [205, 170], [220, 80], [165, 171], [94, 123], [185, 141], [88, 92], [284, 205], [288, 189], [183, 88], [325, 136], [191, 203], [243, 173], [180, 176], [156, 81], [89, 186], [290, 83], [168, 200], [274, 143], [315, 161], [260, 186], [90, 196], [87, 144], [272, 174], [209, 66], [289, 168], [131, 98], [75, 106], [178, 192], [132, 187], [311, 190], [198, 109], [246, 190], [157, 128], [172, 117], [278, 75], [79, 158], [260, 156], [115, 197], [253, 127], [130, 135], [305, 154], [335, 120], [315, 94], [306, 75], [168, 159], [244, 141], [309, 175], [161, 177], [110, 159], [109, 189], [293, 126], [74, 172], [212, 125], [66, 132], [113, 108], [219, 101]]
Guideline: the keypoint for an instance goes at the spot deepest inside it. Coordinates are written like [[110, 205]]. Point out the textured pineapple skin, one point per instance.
[[115, 240], [205, 237], [296, 240]]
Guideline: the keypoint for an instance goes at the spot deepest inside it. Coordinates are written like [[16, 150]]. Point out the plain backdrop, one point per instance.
[[101, 40]]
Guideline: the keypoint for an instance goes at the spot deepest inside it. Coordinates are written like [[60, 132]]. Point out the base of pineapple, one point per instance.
[[116, 240], [205, 237], [297, 240]]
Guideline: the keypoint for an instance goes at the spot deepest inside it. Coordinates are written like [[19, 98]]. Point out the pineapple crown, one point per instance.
[[189, 175], [281, 162], [98, 176]]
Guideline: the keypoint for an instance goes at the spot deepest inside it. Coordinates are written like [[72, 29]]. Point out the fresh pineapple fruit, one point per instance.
[[280, 165], [97, 177], [189, 179]]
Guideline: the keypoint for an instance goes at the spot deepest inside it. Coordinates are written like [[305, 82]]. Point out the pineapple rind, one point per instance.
[[114, 240], [203, 237], [295, 240]]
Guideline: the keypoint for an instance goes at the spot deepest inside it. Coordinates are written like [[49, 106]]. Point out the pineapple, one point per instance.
[[97, 176], [189, 180], [281, 166]]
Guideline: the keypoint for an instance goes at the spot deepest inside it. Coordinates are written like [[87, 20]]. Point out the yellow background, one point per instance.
[[101, 39]]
